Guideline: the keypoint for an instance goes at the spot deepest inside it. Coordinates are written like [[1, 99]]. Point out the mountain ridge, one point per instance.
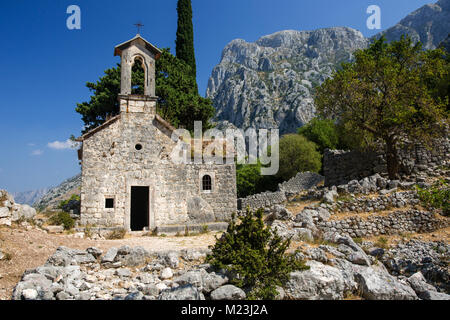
[[270, 83]]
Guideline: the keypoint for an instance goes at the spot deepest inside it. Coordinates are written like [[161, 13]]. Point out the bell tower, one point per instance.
[[137, 50]]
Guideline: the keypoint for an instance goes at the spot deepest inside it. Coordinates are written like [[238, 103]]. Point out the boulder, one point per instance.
[[375, 284], [33, 281], [280, 212], [186, 292], [166, 273], [320, 282], [4, 212], [170, 259], [202, 280], [424, 290], [23, 211], [110, 256], [65, 257], [131, 257], [228, 292], [54, 229]]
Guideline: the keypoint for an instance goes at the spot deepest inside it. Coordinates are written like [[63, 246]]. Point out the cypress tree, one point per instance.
[[185, 36]]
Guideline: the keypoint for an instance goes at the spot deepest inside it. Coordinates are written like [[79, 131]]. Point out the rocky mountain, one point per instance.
[[29, 197], [430, 25], [51, 199], [270, 83]]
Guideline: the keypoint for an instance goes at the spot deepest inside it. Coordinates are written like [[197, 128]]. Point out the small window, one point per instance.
[[206, 183], [109, 203], [138, 147]]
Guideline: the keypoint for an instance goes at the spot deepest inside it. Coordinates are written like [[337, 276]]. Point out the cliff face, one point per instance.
[[269, 83], [430, 25]]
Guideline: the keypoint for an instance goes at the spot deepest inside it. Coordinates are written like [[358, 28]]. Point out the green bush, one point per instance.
[[323, 132], [297, 154], [250, 181], [438, 196], [62, 218], [255, 255]]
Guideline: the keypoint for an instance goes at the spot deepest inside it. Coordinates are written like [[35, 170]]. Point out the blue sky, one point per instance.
[[44, 66]]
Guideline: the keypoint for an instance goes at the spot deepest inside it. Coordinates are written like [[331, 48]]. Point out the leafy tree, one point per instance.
[[178, 103], [255, 255], [384, 96], [323, 132], [185, 36], [297, 154], [250, 181]]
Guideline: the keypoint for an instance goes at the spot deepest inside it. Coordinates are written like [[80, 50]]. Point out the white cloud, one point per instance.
[[31, 144], [63, 145], [37, 152]]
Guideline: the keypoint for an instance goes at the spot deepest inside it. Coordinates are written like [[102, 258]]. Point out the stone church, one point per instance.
[[128, 178]]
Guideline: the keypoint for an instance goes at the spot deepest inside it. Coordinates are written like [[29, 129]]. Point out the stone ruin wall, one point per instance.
[[340, 167], [302, 181]]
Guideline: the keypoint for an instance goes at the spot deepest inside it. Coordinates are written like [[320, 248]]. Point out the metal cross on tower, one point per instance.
[[139, 25]]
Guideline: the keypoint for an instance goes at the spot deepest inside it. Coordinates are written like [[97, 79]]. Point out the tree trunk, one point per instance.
[[392, 160]]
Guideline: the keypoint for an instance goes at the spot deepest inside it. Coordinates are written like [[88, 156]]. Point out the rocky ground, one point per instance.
[[27, 247], [369, 239]]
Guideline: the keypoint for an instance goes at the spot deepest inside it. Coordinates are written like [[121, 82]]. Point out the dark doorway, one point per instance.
[[139, 208]]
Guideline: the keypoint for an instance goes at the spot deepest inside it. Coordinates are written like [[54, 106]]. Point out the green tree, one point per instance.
[[256, 255], [383, 96], [297, 154], [185, 36], [178, 100], [323, 132], [250, 181]]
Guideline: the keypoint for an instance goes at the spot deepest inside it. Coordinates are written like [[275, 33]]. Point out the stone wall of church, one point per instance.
[[112, 165]]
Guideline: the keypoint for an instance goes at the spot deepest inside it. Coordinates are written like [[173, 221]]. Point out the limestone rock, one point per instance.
[[269, 83], [377, 285], [186, 292], [320, 282], [228, 292]]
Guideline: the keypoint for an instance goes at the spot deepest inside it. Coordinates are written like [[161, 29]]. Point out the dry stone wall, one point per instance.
[[340, 166], [302, 181], [395, 223]]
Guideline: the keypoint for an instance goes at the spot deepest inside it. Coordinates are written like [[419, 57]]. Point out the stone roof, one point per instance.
[[150, 47]]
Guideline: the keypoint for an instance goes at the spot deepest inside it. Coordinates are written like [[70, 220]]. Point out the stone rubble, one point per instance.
[[13, 212]]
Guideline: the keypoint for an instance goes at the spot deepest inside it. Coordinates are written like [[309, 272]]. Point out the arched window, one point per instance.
[[206, 183], [138, 76]]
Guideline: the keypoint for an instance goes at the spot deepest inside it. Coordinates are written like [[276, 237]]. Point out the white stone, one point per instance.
[[166, 273], [29, 294]]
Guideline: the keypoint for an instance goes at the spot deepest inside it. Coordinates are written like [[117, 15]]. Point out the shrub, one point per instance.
[[323, 132], [62, 218], [117, 234], [73, 203], [205, 229], [297, 154], [256, 255], [438, 196], [249, 180]]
